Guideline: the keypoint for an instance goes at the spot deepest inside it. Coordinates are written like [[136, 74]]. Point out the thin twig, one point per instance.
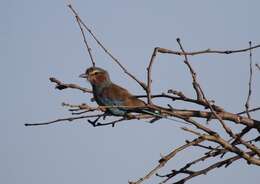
[[257, 66], [250, 81], [193, 74], [149, 76], [60, 85], [251, 110], [85, 40], [63, 119], [200, 93], [166, 158], [211, 167], [206, 51]]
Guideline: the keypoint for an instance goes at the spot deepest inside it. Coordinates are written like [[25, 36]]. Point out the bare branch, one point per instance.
[[63, 119], [149, 77], [60, 85], [166, 158], [250, 81], [251, 110], [195, 84], [211, 167], [206, 51], [200, 93], [83, 35]]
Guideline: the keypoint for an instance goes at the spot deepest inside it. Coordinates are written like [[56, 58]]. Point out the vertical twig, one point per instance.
[[200, 94], [83, 35], [149, 75], [250, 81], [195, 84]]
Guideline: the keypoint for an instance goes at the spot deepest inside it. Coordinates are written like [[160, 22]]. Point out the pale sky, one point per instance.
[[40, 39]]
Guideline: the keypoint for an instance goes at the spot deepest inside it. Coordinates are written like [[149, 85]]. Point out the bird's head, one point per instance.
[[96, 76]]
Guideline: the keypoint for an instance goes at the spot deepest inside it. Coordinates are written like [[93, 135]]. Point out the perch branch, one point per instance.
[[63, 119]]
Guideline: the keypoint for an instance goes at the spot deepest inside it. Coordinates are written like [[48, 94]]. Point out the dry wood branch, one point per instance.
[[63, 119], [179, 96], [195, 84], [166, 158], [200, 93], [193, 174], [60, 85], [206, 51], [250, 82], [212, 153], [149, 76], [233, 149], [85, 40]]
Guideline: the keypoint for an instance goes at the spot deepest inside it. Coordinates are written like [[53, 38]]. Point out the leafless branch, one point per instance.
[[63, 119], [200, 93], [149, 78], [166, 158], [83, 35], [250, 81], [60, 85], [251, 110], [195, 84], [206, 51], [193, 174]]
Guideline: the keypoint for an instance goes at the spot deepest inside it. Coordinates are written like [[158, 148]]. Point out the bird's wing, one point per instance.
[[120, 96]]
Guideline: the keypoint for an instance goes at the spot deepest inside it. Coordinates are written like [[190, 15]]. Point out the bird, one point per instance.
[[107, 93]]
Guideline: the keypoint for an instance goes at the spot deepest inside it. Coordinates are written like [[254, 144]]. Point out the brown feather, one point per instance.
[[118, 93]]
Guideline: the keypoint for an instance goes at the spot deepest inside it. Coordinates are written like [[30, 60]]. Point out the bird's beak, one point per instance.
[[83, 75]]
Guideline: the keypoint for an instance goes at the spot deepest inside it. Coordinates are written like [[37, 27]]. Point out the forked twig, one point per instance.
[[166, 158]]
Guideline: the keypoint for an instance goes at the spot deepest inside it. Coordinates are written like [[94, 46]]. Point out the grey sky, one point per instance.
[[40, 39]]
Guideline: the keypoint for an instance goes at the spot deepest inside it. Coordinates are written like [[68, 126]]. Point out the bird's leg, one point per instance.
[[94, 123]]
